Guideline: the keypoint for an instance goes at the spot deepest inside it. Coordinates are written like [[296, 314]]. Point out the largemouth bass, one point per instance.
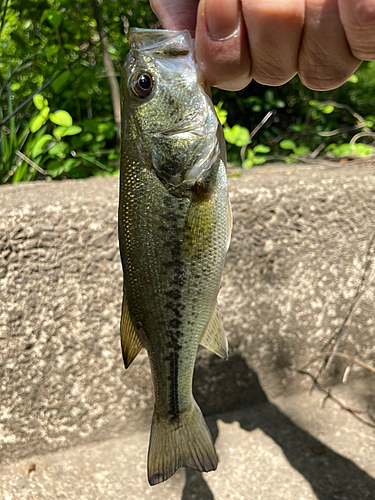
[[174, 231]]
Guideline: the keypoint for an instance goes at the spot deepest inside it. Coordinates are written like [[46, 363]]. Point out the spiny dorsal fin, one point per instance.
[[130, 342], [214, 338]]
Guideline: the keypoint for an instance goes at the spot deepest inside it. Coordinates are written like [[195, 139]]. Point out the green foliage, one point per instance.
[[67, 129], [58, 39], [304, 122]]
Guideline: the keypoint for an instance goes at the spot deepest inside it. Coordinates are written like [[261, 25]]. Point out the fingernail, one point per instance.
[[222, 18]]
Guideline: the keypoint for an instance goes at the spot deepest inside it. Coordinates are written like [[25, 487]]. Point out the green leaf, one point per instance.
[[345, 149], [61, 117], [290, 159], [287, 144], [58, 84], [260, 160], [256, 108], [87, 137], [261, 148], [248, 163], [15, 86], [237, 135], [327, 109], [54, 17], [221, 113], [52, 50], [297, 127], [60, 132], [70, 46], [353, 79], [314, 103], [57, 167], [37, 122], [302, 150], [40, 145], [73, 130], [363, 149], [60, 149], [269, 96], [279, 103], [39, 101]]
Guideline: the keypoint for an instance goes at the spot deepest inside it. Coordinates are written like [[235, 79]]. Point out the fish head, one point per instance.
[[167, 115]]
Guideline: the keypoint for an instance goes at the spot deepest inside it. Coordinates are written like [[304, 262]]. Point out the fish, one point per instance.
[[174, 232]]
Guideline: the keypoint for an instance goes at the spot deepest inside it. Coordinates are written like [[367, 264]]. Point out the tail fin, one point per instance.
[[184, 442]]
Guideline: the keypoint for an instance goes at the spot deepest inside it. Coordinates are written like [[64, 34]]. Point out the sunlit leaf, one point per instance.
[[261, 148], [237, 135], [54, 17], [38, 101], [260, 160], [37, 122], [60, 132], [60, 149], [328, 109], [353, 79], [287, 144], [61, 117], [40, 145]]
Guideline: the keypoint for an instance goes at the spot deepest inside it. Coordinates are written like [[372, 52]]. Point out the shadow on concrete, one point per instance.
[[332, 477]]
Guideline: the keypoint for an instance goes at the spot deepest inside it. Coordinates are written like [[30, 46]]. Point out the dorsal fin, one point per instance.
[[213, 337], [130, 343]]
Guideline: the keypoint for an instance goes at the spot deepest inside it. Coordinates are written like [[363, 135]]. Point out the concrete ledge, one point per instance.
[[298, 254]]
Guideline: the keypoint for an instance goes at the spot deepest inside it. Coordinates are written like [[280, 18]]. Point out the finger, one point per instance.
[[358, 19], [274, 29], [176, 14], [325, 59], [221, 44]]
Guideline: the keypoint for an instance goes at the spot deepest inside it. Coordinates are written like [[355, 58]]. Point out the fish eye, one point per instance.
[[142, 84]]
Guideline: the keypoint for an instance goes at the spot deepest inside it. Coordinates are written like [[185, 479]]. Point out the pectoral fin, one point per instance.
[[214, 338], [198, 232], [130, 342]]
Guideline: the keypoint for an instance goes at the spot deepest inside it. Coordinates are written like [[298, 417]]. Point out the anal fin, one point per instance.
[[213, 337], [130, 343]]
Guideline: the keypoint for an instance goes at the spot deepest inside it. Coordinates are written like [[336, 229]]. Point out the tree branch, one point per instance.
[[110, 69]]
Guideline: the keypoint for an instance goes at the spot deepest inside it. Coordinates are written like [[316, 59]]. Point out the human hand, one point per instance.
[[271, 40]]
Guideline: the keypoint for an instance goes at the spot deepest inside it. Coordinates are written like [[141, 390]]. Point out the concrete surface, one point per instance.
[[301, 249], [263, 455]]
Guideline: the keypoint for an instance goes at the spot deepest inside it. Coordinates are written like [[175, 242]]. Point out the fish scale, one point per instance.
[[173, 233]]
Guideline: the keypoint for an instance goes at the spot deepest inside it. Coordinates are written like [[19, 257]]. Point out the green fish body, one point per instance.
[[174, 231]]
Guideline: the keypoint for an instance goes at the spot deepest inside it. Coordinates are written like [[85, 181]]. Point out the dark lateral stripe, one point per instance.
[[173, 299]]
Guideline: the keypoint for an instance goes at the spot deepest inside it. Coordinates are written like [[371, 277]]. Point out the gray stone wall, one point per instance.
[[299, 249]]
